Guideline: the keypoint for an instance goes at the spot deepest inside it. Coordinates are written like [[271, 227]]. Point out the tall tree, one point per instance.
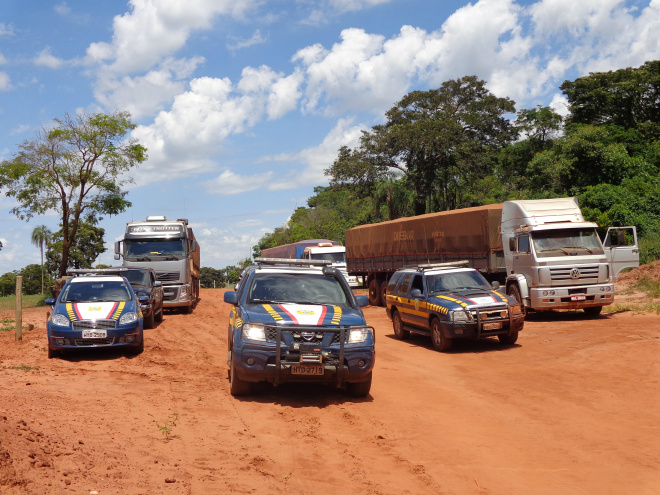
[[441, 141], [76, 168], [84, 250], [41, 236]]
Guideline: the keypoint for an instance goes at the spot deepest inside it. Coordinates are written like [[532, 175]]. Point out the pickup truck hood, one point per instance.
[[302, 314], [471, 298]]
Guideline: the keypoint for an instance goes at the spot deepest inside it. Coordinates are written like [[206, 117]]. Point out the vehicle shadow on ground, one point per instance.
[[110, 354], [490, 344], [301, 395], [568, 315]]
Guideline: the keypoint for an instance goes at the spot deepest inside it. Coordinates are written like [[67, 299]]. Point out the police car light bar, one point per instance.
[[96, 271], [449, 264]]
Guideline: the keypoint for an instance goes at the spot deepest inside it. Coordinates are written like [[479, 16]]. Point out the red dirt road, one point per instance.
[[572, 408]]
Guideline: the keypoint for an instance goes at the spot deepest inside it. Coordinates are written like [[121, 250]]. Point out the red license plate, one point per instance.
[[578, 298]]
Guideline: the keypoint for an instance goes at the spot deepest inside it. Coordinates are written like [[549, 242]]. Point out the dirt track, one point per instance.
[[573, 408]]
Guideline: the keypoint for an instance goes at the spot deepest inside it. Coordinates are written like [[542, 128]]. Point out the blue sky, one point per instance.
[[242, 104]]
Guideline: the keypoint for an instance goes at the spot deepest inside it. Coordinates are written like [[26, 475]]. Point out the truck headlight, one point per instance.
[[60, 320], [357, 335], [254, 332], [459, 315], [127, 318]]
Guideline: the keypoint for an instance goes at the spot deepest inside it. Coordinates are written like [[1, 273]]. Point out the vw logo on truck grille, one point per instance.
[[575, 273]]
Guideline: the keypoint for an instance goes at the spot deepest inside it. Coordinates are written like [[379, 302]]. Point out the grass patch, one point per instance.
[[649, 286], [8, 303], [24, 367], [653, 307]]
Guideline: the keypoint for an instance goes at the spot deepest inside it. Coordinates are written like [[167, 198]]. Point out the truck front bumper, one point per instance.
[[578, 297]]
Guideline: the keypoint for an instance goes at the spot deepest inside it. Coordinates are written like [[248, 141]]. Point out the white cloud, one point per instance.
[[62, 8], [6, 29], [46, 59], [239, 44], [352, 5], [20, 129], [5, 82]]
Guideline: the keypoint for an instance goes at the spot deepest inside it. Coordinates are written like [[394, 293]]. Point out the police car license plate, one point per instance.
[[94, 334], [307, 369], [578, 298], [493, 326]]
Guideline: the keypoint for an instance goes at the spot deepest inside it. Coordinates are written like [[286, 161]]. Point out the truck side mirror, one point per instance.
[[416, 293], [231, 297], [512, 244]]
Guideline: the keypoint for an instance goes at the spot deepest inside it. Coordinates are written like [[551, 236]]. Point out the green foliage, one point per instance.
[[86, 247], [212, 278], [168, 425], [77, 168]]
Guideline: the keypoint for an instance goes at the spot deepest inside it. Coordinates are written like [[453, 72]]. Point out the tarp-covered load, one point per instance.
[[295, 250], [471, 234]]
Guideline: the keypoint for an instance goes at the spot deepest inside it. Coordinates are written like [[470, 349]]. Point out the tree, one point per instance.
[[84, 250], [76, 168], [626, 98], [32, 279], [211, 277], [441, 141], [41, 235]]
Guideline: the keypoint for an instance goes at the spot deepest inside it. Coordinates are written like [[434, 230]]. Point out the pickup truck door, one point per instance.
[[621, 249]]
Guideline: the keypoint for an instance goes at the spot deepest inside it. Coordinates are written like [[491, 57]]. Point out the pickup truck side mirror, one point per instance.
[[495, 285], [231, 297], [416, 293], [361, 300]]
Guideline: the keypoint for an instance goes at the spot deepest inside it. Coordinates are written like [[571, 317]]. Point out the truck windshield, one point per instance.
[[566, 242], [155, 247], [334, 257]]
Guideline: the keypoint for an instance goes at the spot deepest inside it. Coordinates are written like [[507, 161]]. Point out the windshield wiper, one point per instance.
[[171, 258], [145, 258]]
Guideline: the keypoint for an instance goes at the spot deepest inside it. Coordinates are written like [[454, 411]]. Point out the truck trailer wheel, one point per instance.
[[440, 342], [374, 292], [383, 293]]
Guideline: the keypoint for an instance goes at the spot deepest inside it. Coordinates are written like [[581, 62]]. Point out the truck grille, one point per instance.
[[574, 274], [93, 324], [168, 276], [299, 336]]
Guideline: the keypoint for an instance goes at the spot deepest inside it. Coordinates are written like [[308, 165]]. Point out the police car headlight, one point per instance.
[[459, 316], [357, 335], [254, 332], [127, 318], [60, 320]]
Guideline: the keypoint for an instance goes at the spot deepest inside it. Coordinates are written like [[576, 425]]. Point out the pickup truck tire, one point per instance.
[[159, 316], [397, 325], [374, 292], [508, 339], [237, 386], [593, 311], [148, 322], [438, 339], [360, 389], [514, 291]]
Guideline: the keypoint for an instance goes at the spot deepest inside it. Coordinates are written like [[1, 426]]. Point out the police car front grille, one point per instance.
[[92, 342], [94, 324], [492, 314], [297, 336]]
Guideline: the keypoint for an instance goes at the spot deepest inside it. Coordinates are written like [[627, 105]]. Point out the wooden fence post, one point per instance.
[[19, 307]]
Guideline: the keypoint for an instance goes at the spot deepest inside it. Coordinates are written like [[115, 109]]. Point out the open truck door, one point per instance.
[[621, 249]]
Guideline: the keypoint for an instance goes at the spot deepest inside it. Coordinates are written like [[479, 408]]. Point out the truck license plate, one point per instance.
[[94, 334], [493, 326], [578, 298], [307, 369]]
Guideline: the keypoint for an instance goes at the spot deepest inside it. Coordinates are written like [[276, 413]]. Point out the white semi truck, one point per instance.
[[314, 249], [542, 251], [170, 248]]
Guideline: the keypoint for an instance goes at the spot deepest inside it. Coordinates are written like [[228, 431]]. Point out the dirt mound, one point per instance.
[[649, 271]]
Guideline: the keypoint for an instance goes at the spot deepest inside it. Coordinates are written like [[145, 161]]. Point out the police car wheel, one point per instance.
[[236, 385], [360, 389], [508, 339], [440, 342], [397, 324]]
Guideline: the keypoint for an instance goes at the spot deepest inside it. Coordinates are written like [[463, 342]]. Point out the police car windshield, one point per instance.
[[453, 281], [299, 288], [96, 292]]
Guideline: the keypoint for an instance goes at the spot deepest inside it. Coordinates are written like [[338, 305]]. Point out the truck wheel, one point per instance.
[[438, 339], [514, 291], [508, 339], [397, 324], [236, 385], [159, 316], [374, 292], [593, 311], [360, 389], [383, 293]]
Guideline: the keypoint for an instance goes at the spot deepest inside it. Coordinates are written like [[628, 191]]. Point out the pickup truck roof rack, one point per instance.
[[449, 264], [290, 262], [97, 271]]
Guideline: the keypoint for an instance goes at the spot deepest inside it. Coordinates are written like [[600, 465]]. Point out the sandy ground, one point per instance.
[[572, 408]]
